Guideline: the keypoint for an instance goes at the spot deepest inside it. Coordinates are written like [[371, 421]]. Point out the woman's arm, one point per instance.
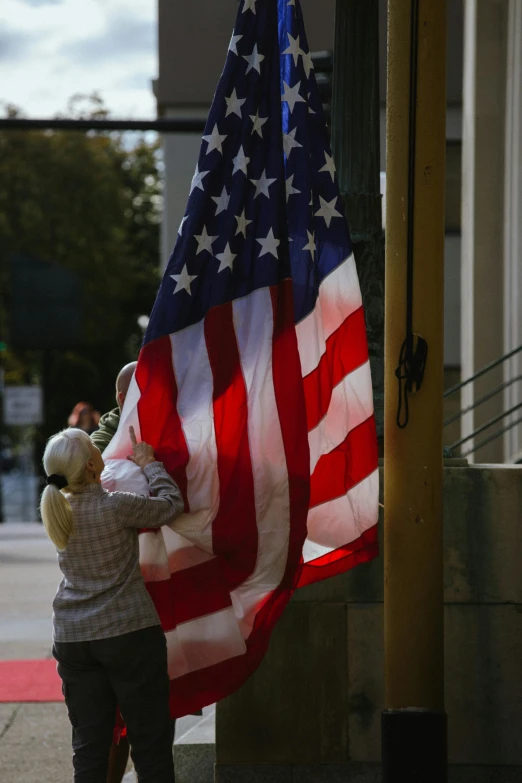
[[150, 512], [142, 511]]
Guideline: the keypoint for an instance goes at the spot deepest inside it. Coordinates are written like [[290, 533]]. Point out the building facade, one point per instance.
[[483, 282]]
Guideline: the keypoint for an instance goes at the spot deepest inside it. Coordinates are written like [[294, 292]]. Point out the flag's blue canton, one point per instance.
[[264, 202]]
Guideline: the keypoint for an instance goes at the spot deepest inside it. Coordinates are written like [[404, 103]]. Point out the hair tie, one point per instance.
[[57, 480]]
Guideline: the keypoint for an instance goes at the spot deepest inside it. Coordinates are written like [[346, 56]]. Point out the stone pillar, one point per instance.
[[513, 225], [356, 150], [180, 155], [484, 128]]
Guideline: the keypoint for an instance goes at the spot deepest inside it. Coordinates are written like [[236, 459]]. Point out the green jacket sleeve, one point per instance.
[[107, 429]]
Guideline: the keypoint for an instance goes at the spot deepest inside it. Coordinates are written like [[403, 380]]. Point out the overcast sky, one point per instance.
[[52, 49]]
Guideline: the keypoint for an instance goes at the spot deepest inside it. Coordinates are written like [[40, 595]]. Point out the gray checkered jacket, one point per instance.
[[102, 593]]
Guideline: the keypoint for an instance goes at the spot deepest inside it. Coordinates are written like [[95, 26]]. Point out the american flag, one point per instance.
[[253, 383]]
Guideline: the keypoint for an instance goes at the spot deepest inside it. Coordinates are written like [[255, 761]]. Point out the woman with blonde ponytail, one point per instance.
[[64, 461], [108, 640]]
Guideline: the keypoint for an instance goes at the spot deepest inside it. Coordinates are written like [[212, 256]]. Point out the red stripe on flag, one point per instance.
[[193, 592], [161, 594], [286, 371], [345, 466], [196, 690], [234, 529], [346, 349], [199, 590], [159, 419], [362, 550]]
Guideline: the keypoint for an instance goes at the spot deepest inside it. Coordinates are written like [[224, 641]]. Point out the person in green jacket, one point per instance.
[[109, 421]]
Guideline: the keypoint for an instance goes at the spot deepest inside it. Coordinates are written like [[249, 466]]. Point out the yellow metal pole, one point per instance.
[[414, 722]]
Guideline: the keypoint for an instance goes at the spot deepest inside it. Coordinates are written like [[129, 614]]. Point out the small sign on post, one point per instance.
[[23, 405]]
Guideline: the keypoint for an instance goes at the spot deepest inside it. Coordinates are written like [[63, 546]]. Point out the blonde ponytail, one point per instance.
[[57, 516], [66, 454]]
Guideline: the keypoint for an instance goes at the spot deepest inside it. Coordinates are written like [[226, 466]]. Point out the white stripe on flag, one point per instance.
[[203, 642], [154, 563], [340, 521], [339, 297], [122, 475], [350, 405], [195, 386], [253, 323], [120, 445], [181, 554]]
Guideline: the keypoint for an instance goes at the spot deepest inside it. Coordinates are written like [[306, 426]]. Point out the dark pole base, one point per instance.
[[414, 746]]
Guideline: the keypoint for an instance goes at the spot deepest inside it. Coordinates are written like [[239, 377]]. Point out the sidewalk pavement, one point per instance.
[[35, 738]]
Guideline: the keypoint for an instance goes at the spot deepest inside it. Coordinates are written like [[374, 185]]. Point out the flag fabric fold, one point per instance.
[[253, 384]]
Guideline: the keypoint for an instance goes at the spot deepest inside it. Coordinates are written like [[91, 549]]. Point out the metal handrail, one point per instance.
[[488, 396], [485, 398], [496, 435], [483, 371], [486, 426]]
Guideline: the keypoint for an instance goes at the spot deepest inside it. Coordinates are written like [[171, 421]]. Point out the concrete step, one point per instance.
[[194, 749]]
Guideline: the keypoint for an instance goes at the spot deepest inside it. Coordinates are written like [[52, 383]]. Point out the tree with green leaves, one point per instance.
[[90, 203]]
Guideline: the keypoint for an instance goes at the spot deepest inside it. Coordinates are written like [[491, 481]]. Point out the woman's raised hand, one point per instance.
[[142, 453]]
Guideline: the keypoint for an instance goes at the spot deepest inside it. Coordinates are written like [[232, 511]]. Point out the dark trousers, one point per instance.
[[129, 671]]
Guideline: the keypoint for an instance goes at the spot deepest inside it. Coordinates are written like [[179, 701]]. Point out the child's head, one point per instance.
[[69, 459]]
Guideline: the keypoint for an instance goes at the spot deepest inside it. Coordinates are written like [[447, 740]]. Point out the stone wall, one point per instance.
[[313, 708]]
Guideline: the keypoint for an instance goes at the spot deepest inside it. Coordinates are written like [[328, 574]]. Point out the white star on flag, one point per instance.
[[240, 161], [234, 104], [291, 2], [294, 49], [232, 47], [291, 95], [183, 281], [327, 210], [311, 243], [205, 241], [222, 201], [262, 184], [290, 190], [329, 166], [215, 140], [254, 60], [242, 223], [258, 123], [269, 245], [180, 229], [197, 179], [289, 142], [310, 110], [226, 258], [307, 63], [250, 5]]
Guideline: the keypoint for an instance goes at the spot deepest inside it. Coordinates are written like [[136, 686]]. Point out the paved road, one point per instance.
[[34, 738]]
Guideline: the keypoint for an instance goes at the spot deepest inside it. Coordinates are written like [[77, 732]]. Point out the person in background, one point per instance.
[[107, 638], [84, 417], [108, 424]]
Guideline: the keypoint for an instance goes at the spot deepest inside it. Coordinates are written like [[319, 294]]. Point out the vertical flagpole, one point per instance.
[[414, 721]]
